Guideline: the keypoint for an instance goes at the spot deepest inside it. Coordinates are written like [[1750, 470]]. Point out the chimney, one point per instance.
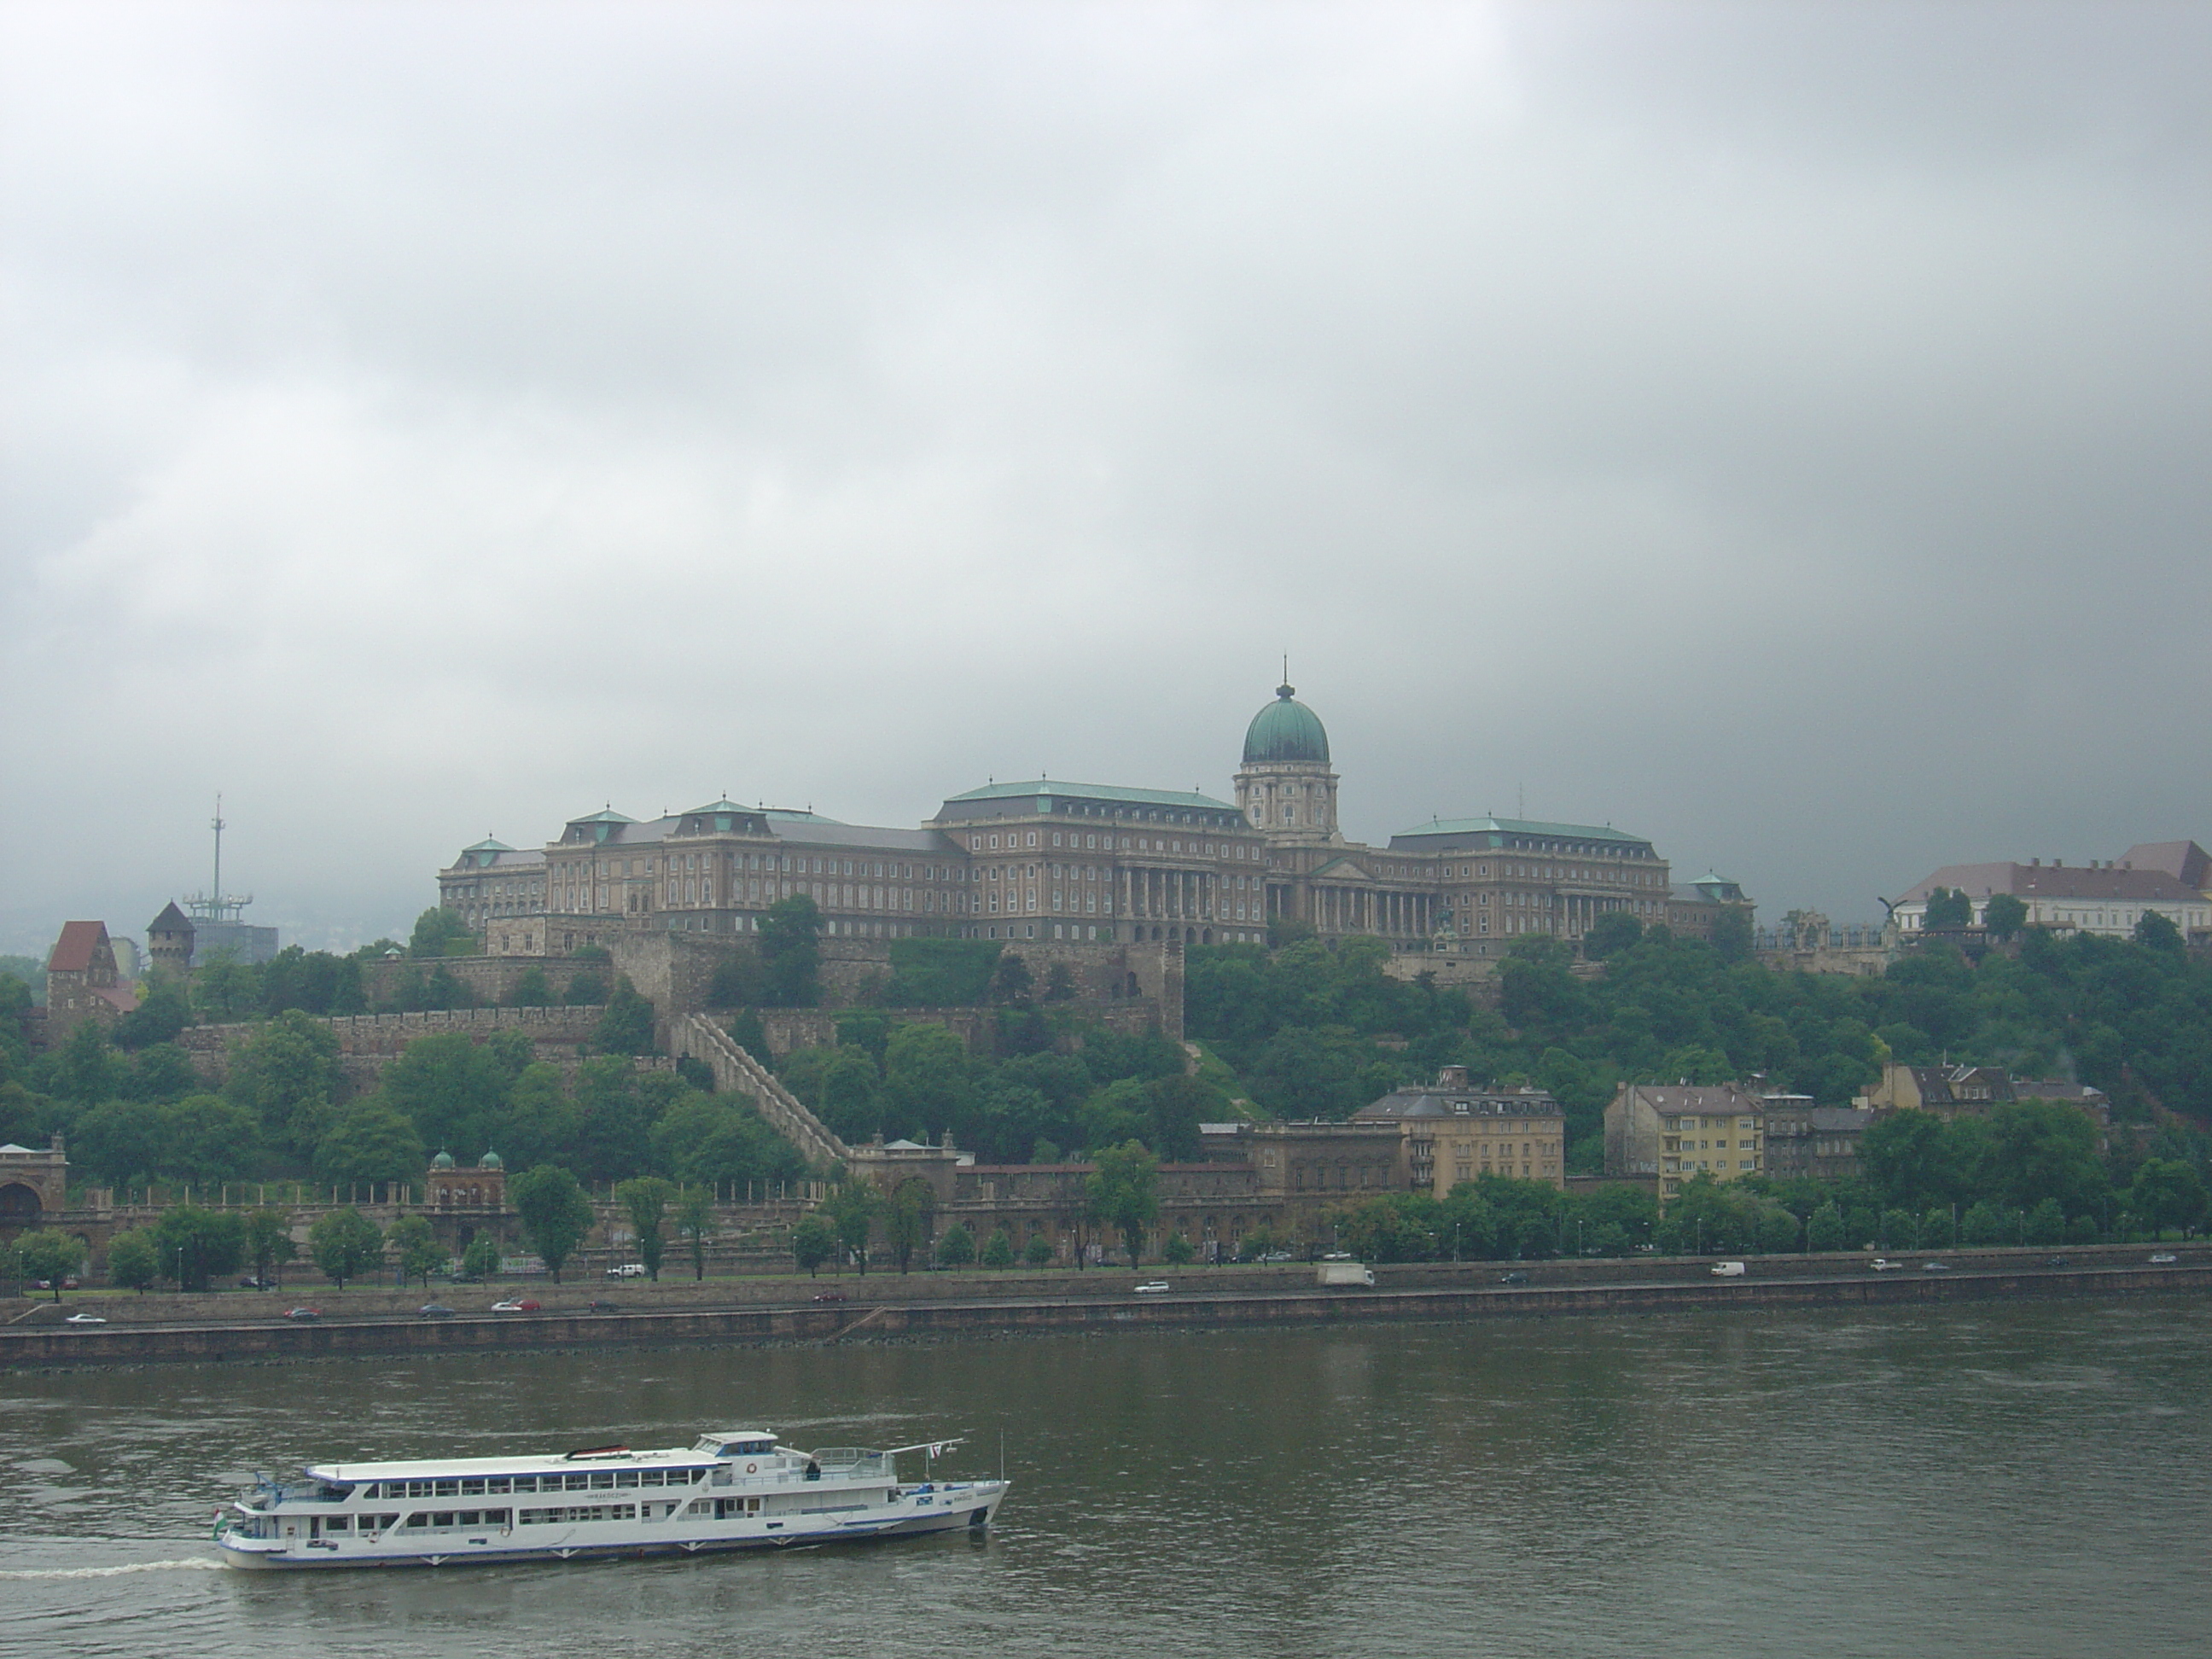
[[2035, 863], [1452, 1077]]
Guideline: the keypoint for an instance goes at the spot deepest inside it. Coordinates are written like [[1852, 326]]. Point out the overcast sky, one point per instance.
[[1778, 430]]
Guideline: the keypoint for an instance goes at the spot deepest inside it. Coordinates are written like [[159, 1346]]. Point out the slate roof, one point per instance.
[[1437, 828], [1106, 792], [171, 921], [2053, 881]]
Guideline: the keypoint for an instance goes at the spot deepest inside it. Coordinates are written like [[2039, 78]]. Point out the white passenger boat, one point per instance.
[[737, 1489]]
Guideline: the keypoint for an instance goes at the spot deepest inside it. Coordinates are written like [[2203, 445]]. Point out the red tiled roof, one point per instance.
[[75, 948]]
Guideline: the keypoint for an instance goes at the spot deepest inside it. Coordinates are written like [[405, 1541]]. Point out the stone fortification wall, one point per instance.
[[368, 1042], [489, 980]]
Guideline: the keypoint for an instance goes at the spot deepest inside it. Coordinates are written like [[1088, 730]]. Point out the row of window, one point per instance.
[[577, 1512], [498, 1483]]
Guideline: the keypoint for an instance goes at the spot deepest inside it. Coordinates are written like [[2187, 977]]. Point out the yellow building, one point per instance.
[[1675, 1132], [1454, 1131]]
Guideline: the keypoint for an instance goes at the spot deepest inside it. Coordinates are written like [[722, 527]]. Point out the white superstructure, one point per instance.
[[734, 1489]]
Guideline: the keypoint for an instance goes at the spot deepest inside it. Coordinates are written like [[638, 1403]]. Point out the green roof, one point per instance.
[[718, 806], [1286, 731], [608, 816], [1094, 792], [488, 845], [1521, 827]]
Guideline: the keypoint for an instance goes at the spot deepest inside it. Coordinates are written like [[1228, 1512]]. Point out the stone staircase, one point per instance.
[[736, 1072]]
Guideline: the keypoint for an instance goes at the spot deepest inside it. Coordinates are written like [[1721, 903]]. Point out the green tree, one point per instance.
[[531, 990], [1901, 1230], [1938, 1229], [1731, 938], [369, 1143], [1012, 982], [852, 1210], [435, 930], [956, 1248], [421, 1255], [694, 1225], [1610, 934], [1948, 908], [289, 1073], [268, 1244], [586, 991], [196, 1245], [2168, 1193], [907, 1214], [645, 1201], [791, 953], [1059, 983], [2046, 1224], [132, 1260], [164, 1013], [626, 1028], [999, 1248], [1824, 1229], [1037, 1252], [481, 1258], [2157, 932], [1123, 1192], [813, 1241], [555, 1213], [1912, 1158], [1986, 1224], [1778, 1229], [1178, 1249], [84, 1069], [2004, 916], [51, 1255], [345, 1245]]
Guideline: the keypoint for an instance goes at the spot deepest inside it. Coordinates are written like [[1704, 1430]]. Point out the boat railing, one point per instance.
[[853, 1462]]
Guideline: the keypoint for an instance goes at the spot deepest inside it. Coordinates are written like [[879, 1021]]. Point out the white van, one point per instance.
[[1728, 1270]]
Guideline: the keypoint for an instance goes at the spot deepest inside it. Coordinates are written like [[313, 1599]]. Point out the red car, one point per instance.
[[515, 1305], [303, 1314]]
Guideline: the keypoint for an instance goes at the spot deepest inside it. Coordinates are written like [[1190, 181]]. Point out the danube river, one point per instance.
[[2024, 1478]]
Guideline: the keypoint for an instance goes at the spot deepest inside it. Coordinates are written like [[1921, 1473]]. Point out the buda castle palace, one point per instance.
[[1076, 862]]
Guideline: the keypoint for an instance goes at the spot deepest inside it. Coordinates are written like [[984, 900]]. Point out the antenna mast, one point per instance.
[[215, 905]]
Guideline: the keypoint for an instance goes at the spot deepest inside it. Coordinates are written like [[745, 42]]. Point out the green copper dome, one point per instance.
[[1285, 730], [490, 1161], [443, 1161]]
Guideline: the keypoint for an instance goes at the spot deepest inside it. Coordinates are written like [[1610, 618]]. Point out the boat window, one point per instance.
[[494, 1518], [650, 1477], [626, 1478], [526, 1483], [472, 1488], [448, 1489], [499, 1484], [602, 1478], [417, 1519], [579, 1483], [337, 1523]]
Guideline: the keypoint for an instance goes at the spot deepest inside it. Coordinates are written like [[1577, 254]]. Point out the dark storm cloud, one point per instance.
[[1776, 429]]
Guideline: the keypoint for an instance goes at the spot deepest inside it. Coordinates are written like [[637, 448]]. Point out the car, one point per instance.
[[48, 1284], [306, 1315], [2164, 1259], [1935, 1266], [628, 1270], [2057, 1261], [84, 1319], [515, 1305], [1728, 1270], [250, 1283], [606, 1307], [830, 1295], [1882, 1264], [1276, 1256], [464, 1279], [1339, 1255], [434, 1310], [1153, 1287], [1513, 1279]]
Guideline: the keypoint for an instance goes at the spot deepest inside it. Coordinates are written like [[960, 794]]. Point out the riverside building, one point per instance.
[[1048, 860]]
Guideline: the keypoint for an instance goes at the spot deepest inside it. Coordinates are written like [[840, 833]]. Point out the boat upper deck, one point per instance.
[[710, 1450]]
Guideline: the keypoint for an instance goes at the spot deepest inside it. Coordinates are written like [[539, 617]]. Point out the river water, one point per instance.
[[1994, 1479]]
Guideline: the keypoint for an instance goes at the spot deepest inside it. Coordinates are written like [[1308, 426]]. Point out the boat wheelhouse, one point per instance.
[[733, 1489]]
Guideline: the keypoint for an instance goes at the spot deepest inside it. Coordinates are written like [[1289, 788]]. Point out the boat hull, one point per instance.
[[967, 1506]]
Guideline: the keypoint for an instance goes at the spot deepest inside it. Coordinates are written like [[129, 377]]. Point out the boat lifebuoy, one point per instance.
[[752, 1468]]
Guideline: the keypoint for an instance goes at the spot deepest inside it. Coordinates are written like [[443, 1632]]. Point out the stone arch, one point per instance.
[[20, 1205]]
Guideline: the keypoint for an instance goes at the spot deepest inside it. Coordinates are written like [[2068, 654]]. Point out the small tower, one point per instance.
[[169, 944], [1285, 785]]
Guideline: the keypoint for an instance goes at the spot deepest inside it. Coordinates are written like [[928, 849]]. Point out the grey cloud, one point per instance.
[[1778, 428]]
